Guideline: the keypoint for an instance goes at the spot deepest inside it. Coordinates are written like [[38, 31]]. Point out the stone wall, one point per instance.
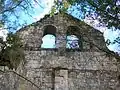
[[73, 71], [63, 69], [85, 70], [32, 34]]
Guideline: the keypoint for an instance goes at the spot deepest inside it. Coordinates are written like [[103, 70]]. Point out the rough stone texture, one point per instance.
[[89, 68]]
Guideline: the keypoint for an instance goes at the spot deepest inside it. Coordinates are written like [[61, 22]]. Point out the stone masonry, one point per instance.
[[60, 68]]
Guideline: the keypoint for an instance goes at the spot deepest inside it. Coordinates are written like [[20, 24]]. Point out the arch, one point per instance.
[[73, 38], [72, 30], [49, 29], [49, 37]]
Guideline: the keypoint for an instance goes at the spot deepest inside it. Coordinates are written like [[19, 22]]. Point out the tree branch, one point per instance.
[[7, 10], [99, 9], [21, 77]]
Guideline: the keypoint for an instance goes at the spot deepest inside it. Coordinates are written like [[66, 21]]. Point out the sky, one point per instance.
[[43, 7]]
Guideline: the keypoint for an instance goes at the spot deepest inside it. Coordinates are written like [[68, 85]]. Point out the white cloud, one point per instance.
[[47, 4], [111, 34]]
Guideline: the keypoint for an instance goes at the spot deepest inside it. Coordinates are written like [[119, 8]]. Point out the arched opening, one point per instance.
[[49, 35], [73, 39]]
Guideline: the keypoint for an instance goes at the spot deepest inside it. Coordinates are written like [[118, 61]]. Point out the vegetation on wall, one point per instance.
[[11, 52]]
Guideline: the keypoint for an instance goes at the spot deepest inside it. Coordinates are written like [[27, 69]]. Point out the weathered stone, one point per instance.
[[89, 68]]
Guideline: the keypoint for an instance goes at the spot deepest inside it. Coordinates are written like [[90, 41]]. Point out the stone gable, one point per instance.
[[60, 68]]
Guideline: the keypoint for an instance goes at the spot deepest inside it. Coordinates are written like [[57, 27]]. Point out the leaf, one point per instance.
[[66, 4], [53, 11]]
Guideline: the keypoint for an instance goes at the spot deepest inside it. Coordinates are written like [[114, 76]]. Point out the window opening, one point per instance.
[[49, 37], [72, 42], [73, 38]]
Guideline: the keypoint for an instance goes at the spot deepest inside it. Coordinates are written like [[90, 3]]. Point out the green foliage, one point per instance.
[[108, 10], [12, 51], [53, 10]]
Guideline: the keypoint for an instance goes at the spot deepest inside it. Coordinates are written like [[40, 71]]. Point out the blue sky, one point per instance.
[[43, 7]]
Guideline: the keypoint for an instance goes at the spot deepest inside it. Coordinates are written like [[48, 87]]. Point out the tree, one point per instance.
[[10, 11], [11, 51], [108, 10]]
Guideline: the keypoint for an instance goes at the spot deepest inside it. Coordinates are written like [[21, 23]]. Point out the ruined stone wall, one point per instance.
[[32, 34], [85, 70], [61, 68], [82, 71]]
